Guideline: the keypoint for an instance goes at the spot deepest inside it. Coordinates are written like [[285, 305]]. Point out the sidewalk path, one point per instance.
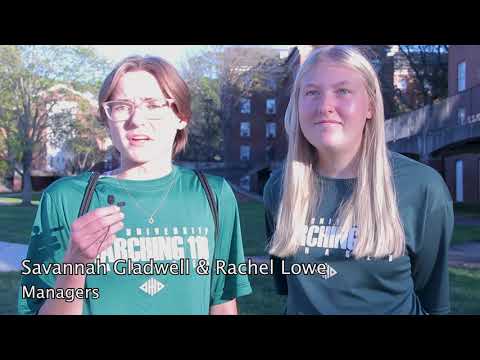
[[467, 220], [11, 256], [465, 255]]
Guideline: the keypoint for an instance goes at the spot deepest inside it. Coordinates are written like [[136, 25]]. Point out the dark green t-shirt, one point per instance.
[[183, 233], [416, 283]]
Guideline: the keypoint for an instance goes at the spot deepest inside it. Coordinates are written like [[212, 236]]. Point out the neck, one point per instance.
[[338, 164], [153, 169]]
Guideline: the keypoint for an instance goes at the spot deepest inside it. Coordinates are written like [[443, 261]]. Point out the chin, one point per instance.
[[139, 157], [330, 142], [142, 156]]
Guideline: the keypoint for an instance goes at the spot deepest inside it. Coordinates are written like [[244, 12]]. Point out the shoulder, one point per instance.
[[272, 189], [68, 187], [423, 180], [218, 184]]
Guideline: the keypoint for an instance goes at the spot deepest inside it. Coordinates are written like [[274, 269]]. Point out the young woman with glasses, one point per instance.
[[150, 230]]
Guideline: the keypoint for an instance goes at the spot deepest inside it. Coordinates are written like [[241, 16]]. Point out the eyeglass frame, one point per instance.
[[168, 102]]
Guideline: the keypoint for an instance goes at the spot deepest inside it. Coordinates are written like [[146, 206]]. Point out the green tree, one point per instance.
[[429, 69], [80, 136], [29, 98]]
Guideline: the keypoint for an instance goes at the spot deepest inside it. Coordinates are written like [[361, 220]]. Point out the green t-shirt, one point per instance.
[[182, 234], [416, 283]]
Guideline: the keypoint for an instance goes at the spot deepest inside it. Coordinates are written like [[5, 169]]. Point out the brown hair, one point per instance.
[[172, 85]]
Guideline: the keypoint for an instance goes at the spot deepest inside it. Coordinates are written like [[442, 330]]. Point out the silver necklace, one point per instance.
[[151, 218]]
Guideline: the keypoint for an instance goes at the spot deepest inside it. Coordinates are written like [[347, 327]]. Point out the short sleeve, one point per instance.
[[229, 248], [47, 245], [430, 264]]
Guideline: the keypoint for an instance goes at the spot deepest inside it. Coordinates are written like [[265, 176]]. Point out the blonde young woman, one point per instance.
[[353, 227]]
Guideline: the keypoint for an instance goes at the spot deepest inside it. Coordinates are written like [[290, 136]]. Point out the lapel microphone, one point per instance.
[[111, 201]]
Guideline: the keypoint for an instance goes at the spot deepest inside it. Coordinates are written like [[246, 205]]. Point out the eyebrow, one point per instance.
[[143, 99], [340, 83]]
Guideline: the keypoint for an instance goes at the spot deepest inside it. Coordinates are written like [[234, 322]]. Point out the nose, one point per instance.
[[326, 104], [138, 117]]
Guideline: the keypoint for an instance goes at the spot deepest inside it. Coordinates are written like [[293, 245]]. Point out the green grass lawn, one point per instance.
[[16, 223], [263, 300], [8, 292], [465, 291], [252, 220]]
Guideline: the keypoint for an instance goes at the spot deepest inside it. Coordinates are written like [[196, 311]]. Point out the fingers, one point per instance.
[[96, 226], [94, 245], [94, 232], [107, 243], [94, 215], [102, 236]]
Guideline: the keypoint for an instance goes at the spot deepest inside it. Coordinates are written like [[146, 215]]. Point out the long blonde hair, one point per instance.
[[372, 206]]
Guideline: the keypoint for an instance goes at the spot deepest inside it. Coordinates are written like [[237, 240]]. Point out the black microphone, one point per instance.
[[111, 201]]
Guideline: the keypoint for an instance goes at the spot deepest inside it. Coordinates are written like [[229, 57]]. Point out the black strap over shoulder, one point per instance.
[[210, 198], [87, 196]]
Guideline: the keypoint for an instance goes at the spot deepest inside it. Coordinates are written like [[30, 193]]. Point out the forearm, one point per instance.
[[228, 308]]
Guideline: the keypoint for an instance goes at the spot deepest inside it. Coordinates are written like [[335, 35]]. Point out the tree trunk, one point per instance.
[[27, 179]]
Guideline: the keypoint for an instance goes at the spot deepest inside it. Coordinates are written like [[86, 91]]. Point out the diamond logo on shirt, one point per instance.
[[330, 272], [152, 286]]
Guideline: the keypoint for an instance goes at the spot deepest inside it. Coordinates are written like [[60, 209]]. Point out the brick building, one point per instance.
[[462, 161], [253, 132]]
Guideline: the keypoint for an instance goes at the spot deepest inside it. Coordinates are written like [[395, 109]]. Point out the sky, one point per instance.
[[172, 53]]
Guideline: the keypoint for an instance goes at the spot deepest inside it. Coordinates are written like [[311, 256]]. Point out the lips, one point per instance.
[[327, 122], [138, 139]]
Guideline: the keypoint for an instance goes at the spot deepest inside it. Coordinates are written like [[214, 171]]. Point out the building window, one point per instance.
[[245, 129], [244, 152], [271, 130], [245, 106], [462, 70], [245, 182], [271, 108], [461, 116]]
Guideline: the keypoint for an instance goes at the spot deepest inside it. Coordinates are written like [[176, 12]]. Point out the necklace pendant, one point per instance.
[[151, 221]]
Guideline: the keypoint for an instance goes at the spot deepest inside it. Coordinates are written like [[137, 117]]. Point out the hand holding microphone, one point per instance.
[[98, 226]]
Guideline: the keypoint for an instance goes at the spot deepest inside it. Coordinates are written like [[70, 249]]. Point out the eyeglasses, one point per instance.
[[123, 110]]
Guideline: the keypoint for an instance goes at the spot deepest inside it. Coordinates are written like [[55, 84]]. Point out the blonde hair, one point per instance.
[[372, 206]]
